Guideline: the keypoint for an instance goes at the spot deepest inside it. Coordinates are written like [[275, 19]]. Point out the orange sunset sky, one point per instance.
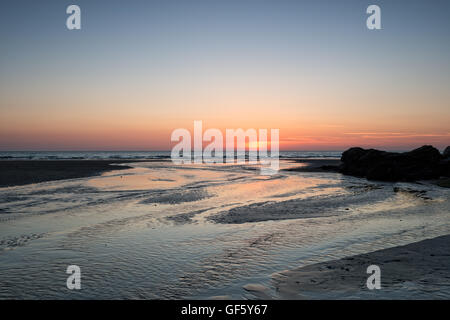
[[324, 80]]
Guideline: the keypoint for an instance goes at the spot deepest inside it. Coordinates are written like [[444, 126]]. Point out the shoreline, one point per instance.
[[315, 165], [19, 172], [417, 265], [23, 172]]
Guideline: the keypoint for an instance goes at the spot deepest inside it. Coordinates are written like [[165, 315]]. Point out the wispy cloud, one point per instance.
[[396, 135]]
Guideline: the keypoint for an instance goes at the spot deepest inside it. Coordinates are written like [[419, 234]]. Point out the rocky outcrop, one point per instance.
[[446, 153], [445, 163], [423, 163]]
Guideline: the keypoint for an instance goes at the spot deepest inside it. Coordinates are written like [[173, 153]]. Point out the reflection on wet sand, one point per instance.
[[199, 231]]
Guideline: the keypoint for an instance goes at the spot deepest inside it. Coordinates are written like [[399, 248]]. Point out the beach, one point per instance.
[[22, 172], [419, 269], [225, 150], [156, 230]]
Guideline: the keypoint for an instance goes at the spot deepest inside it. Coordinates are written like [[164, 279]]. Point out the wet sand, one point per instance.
[[214, 231], [22, 172], [315, 165], [421, 266]]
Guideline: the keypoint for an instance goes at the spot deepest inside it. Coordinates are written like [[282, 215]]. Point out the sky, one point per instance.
[[137, 70]]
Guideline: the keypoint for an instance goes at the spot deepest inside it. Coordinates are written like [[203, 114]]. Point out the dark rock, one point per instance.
[[445, 167], [423, 163], [446, 153], [329, 168]]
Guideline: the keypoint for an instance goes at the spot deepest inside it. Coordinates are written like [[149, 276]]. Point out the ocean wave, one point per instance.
[[10, 155], [138, 155]]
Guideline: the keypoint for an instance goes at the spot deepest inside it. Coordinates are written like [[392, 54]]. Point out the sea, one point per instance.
[[138, 155]]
